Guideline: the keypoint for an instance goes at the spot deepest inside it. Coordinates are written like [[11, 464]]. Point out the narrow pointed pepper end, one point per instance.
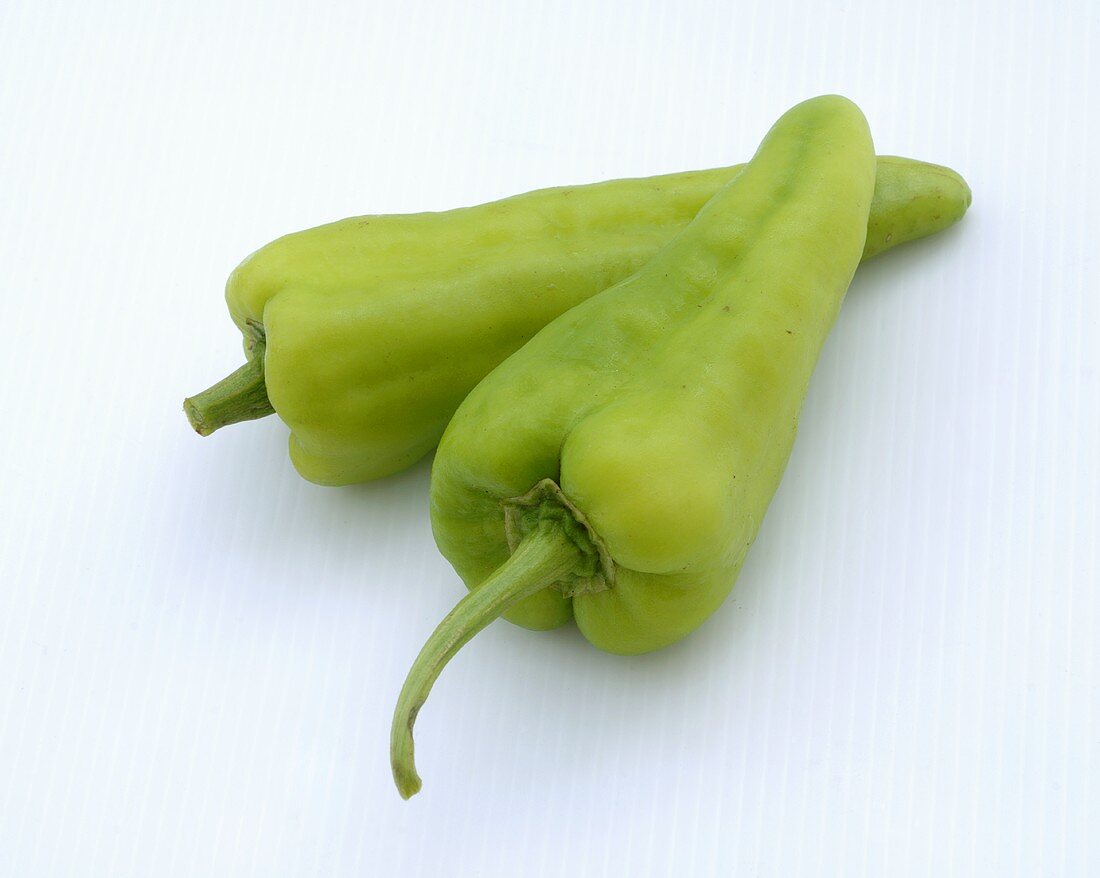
[[544, 557]]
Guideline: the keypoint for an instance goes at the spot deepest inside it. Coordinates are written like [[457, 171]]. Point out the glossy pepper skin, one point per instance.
[[616, 469], [366, 334]]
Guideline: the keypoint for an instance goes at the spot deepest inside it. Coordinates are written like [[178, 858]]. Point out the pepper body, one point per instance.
[[364, 335], [618, 467], [665, 407]]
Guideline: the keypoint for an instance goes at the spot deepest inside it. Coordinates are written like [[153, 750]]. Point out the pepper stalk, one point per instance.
[[240, 396], [545, 556]]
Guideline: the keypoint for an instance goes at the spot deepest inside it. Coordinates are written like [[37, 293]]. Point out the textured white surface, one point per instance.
[[199, 651]]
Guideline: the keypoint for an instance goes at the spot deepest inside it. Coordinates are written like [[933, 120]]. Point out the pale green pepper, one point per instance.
[[366, 334], [617, 468]]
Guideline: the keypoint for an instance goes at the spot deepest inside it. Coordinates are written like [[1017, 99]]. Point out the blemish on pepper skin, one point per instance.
[[790, 332], [725, 307], [889, 237]]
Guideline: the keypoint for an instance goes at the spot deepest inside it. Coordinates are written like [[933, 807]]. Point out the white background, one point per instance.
[[199, 651]]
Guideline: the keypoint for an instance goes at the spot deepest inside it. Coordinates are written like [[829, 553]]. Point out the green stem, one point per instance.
[[543, 557], [241, 396]]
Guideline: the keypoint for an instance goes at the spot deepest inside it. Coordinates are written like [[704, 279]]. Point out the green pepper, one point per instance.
[[366, 334], [617, 467]]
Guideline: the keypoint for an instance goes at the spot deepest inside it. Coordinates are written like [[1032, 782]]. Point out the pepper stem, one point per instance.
[[241, 396], [543, 557]]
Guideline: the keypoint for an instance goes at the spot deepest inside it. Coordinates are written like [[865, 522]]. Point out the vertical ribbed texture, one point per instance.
[[199, 652]]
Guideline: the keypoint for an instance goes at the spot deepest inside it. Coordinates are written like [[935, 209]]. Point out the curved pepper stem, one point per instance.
[[241, 396], [544, 556]]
